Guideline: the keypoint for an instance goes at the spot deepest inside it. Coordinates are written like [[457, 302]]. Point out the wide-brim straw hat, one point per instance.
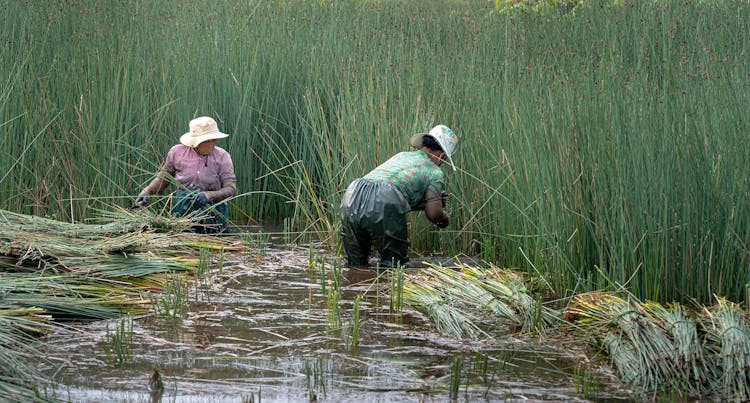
[[444, 136], [201, 129]]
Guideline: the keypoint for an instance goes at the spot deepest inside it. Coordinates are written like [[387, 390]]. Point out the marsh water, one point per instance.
[[263, 327]]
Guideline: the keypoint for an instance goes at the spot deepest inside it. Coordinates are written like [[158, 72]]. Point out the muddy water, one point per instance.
[[262, 329]]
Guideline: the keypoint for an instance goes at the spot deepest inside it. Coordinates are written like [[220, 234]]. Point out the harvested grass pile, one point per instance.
[[81, 271], [18, 377], [54, 271], [703, 353], [469, 301]]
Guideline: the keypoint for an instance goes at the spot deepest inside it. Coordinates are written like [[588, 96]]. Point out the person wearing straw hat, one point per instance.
[[374, 208], [204, 172]]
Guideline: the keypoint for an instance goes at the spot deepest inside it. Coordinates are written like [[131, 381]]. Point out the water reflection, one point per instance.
[[262, 330]]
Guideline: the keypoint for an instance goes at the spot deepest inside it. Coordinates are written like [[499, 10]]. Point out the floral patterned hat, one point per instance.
[[444, 136]]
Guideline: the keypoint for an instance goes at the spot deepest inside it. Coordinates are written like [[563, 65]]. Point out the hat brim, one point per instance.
[[190, 141], [416, 142]]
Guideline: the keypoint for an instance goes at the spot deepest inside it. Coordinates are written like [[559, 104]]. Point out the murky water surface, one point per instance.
[[263, 329]]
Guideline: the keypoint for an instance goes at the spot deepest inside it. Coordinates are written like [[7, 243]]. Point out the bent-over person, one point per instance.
[[374, 209]]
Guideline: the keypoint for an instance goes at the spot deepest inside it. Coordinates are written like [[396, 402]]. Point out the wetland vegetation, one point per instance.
[[601, 156]]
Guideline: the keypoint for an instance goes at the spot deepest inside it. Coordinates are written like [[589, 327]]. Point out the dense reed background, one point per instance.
[[599, 147]]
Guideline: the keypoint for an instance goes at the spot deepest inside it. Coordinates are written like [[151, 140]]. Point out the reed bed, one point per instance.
[[601, 145]]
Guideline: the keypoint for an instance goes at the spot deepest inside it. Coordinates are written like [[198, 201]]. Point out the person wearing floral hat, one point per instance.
[[205, 173], [374, 208]]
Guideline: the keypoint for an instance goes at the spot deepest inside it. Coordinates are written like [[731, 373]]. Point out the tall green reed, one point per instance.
[[455, 384], [315, 375], [396, 290], [599, 149], [334, 319]]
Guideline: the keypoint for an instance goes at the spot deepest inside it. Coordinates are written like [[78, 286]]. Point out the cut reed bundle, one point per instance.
[[19, 379], [57, 244], [69, 297], [653, 348], [76, 271], [470, 301], [430, 299], [640, 349], [727, 347], [54, 271], [670, 349], [510, 285]]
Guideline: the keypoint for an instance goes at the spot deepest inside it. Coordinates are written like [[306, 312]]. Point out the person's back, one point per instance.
[[374, 208], [412, 173]]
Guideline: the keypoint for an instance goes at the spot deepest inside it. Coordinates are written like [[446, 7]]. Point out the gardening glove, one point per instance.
[[201, 199], [443, 223], [141, 200]]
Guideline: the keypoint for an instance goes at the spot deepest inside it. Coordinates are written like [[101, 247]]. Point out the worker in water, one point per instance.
[[204, 173], [374, 208]]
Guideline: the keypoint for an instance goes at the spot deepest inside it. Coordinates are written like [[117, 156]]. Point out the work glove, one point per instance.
[[201, 199], [141, 200]]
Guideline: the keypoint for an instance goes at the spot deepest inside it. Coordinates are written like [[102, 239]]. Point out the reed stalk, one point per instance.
[[455, 384], [117, 344], [356, 319], [584, 143]]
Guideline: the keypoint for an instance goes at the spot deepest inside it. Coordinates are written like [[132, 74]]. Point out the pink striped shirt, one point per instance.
[[198, 172]]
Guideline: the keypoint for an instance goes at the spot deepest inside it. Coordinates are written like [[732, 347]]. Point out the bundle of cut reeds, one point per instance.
[[19, 379], [55, 271], [652, 347], [76, 271], [703, 353], [469, 301]]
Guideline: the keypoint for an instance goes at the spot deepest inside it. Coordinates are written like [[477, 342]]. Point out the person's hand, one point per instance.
[[443, 221], [141, 200], [201, 199], [444, 198]]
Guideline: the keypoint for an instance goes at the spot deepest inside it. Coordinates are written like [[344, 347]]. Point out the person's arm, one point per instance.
[[159, 182], [156, 185], [433, 209], [228, 190]]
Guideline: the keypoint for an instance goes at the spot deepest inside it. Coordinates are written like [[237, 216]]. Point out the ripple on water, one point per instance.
[[263, 327]]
